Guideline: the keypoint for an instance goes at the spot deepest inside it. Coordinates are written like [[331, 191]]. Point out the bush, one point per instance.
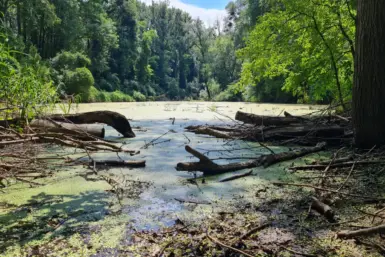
[[93, 95], [230, 94], [119, 96], [139, 96], [104, 96], [79, 82], [69, 60]]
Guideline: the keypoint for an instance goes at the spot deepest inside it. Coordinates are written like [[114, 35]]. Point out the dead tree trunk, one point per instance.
[[113, 119], [208, 167], [265, 120], [369, 75], [69, 128]]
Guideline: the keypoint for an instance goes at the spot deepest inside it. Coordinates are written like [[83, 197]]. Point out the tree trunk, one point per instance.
[[114, 119], [96, 130], [369, 76]]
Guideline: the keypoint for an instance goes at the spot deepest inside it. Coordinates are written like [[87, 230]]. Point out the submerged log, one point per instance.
[[265, 120], [208, 167], [113, 119], [69, 128]]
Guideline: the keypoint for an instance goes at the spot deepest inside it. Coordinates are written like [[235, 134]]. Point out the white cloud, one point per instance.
[[208, 16]]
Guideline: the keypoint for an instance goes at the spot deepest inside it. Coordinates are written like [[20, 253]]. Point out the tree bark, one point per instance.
[[369, 75]]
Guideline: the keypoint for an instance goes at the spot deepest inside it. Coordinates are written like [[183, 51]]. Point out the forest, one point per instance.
[[125, 50]]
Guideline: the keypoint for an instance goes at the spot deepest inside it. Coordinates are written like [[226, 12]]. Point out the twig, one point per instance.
[[160, 252], [376, 214], [328, 167], [268, 148], [254, 230], [227, 246], [347, 178], [152, 141], [237, 176], [298, 253]]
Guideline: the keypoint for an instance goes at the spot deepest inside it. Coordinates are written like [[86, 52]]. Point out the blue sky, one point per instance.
[[207, 10], [208, 4]]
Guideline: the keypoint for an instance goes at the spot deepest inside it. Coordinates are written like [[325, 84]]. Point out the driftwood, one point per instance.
[[362, 232], [208, 167], [113, 119], [237, 176], [264, 120], [323, 209], [69, 128]]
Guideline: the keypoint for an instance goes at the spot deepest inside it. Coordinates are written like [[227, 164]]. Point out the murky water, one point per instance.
[[85, 204]]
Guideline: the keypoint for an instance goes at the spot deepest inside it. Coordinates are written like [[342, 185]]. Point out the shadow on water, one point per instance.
[[52, 215]]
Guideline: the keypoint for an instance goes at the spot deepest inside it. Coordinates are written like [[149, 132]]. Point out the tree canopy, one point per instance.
[[263, 50]]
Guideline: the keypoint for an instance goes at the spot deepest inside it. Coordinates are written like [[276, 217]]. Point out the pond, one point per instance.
[[85, 210]]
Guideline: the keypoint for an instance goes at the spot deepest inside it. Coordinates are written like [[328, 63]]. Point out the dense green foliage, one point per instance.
[[124, 50]]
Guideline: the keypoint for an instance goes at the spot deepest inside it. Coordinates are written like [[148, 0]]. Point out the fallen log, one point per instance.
[[113, 119], [193, 201], [265, 120], [69, 128], [323, 131], [362, 232], [330, 133], [336, 165], [212, 132], [323, 209], [236, 176], [278, 183], [208, 167], [119, 163]]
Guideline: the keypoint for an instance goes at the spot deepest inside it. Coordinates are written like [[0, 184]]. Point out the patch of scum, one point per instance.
[[84, 206]]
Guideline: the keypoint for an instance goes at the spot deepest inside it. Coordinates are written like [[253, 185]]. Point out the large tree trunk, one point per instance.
[[369, 77]]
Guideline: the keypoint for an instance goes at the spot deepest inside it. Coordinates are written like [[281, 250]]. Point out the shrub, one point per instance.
[[139, 96], [118, 96], [79, 82], [68, 60], [104, 96]]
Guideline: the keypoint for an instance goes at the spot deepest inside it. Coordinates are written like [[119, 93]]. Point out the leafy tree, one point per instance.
[[308, 43]]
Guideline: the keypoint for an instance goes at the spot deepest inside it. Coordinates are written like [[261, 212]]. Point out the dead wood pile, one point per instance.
[[20, 152], [305, 130]]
